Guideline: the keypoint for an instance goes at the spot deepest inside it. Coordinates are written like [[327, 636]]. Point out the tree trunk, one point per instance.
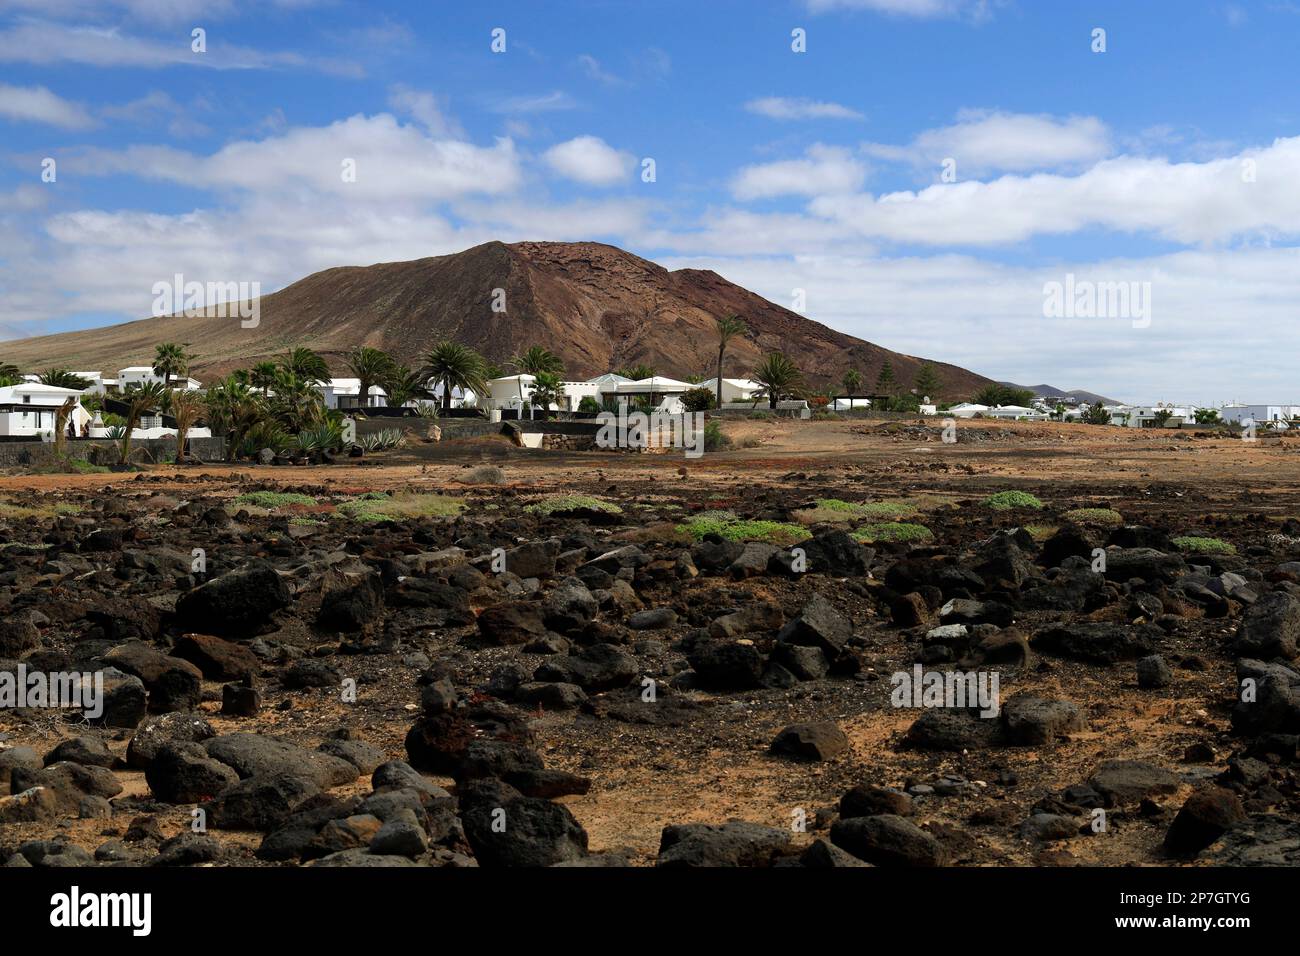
[[771, 399], [721, 351]]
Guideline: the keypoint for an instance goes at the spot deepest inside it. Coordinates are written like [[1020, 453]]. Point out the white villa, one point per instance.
[[968, 410], [30, 410], [346, 392], [1236, 414], [734, 389], [1015, 413], [144, 375]]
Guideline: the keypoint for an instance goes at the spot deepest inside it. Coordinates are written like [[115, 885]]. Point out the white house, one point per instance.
[[1148, 416], [31, 410], [144, 374], [345, 393], [968, 410], [734, 389], [1016, 413], [1236, 413], [515, 391]]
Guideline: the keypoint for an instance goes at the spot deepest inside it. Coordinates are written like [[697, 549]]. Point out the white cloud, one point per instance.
[[591, 66], [797, 108], [826, 171], [36, 104], [920, 9], [158, 106], [983, 141], [426, 108], [590, 160], [42, 43], [392, 161], [1187, 203], [540, 103]]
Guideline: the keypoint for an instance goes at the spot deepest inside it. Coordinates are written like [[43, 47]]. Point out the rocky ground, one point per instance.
[[536, 662]]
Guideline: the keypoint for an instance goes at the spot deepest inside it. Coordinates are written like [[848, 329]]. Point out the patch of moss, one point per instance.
[[739, 529], [273, 499], [1102, 516], [1041, 532], [383, 507], [553, 504], [1193, 544], [13, 512], [893, 531], [1006, 500]]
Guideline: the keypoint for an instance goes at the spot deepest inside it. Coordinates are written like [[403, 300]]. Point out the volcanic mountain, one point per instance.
[[597, 307]]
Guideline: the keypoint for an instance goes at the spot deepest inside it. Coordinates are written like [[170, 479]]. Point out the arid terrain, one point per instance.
[[474, 654]]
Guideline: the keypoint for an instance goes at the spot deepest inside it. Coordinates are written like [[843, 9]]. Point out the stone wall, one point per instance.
[[23, 453]]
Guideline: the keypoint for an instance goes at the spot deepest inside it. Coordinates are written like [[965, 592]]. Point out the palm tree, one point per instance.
[[547, 388], [139, 401], [371, 366], [297, 403], [306, 365], [9, 370], [186, 407], [405, 385], [778, 376], [852, 381], [233, 408], [455, 366], [62, 378], [536, 360], [637, 372], [170, 359], [262, 375], [728, 328]]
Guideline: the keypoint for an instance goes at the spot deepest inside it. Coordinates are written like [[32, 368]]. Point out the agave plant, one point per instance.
[[383, 440], [320, 439], [266, 433]]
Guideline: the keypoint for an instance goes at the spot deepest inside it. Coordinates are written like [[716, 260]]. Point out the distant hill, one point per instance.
[[599, 308], [1051, 393]]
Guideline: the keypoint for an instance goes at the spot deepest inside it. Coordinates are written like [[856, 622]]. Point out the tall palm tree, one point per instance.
[[306, 365], [262, 375], [728, 328], [405, 385], [139, 401], [778, 376], [536, 360], [62, 378], [852, 381], [186, 408], [371, 366], [10, 370], [170, 359], [455, 366], [233, 408]]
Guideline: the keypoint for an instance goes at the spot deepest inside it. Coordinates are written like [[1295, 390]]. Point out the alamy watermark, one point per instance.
[[655, 430], [221, 300], [64, 690], [1085, 299], [954, 689]]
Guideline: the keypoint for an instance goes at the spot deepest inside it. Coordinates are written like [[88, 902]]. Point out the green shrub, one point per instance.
[[274, 499], [1006, 500], [714, 439], [562, 503], [1102, 516], [728, 526], [892, 531], [1197, 545], [698, 399]]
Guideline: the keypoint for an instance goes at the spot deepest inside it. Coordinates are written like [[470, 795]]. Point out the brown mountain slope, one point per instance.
[[596, 306]]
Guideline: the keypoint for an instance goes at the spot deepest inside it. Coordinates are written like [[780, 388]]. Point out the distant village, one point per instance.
[[88, 404]]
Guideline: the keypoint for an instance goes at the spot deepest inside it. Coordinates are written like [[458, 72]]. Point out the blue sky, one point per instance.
[[819, 171]]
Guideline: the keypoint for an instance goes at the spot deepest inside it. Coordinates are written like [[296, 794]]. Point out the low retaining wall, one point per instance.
[[17, 453]]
